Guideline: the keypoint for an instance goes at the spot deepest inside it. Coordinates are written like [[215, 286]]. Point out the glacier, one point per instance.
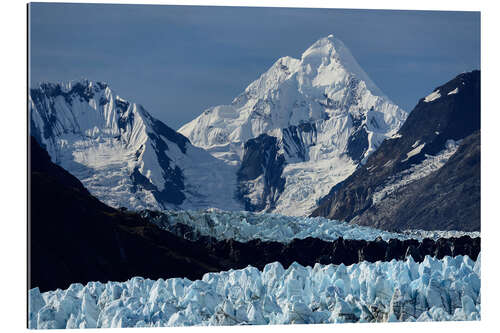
[[433, 290], [326, 114], [244, 226]]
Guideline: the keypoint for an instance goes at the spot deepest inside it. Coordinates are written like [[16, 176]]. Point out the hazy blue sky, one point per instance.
[[178, 60]]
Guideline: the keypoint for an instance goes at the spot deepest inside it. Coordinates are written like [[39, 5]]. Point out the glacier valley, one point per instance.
[[235, 186]]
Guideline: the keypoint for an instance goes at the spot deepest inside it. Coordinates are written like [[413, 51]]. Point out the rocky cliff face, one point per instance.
[[427, 175], [260, 174]]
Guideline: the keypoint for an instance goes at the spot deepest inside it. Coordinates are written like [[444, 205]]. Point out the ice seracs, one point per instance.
[[246, 226], [326, 114], [434, 290]]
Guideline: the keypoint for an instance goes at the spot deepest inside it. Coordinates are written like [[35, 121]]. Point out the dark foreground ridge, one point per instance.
[[76, 238]]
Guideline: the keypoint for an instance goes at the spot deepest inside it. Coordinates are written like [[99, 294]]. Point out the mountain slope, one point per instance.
[[427, 175], [318, 116], [122, 154]]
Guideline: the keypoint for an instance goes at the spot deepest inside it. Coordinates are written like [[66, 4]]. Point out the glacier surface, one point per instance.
[[244, 226], [434, 290]]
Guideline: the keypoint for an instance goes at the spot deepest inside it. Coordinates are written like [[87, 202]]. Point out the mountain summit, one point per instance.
[[325, 82], [300, 128]]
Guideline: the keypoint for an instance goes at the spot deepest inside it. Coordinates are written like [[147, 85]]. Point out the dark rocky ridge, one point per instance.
[[261, 157], [295, 143], [73, 237], [447, 199]]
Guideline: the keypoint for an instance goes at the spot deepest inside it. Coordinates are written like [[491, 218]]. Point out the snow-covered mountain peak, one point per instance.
[[325, 82], [321, 111], [329, 54], [121, 153], [324, 68], [325, 48], [80, 85]]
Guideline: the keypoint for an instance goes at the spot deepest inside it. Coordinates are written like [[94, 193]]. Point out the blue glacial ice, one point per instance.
[[434, 290], [245, 226]]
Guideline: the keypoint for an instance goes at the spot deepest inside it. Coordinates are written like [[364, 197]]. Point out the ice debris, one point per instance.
[[245, 226], [434, 290]]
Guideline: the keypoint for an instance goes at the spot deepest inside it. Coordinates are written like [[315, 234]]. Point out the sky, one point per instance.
[[179, 60]]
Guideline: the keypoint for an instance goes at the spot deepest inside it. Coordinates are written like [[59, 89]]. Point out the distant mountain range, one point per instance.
[[310, 136], [299, 129]]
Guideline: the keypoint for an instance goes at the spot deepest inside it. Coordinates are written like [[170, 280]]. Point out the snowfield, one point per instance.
[[244, 226], [447, 289]]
